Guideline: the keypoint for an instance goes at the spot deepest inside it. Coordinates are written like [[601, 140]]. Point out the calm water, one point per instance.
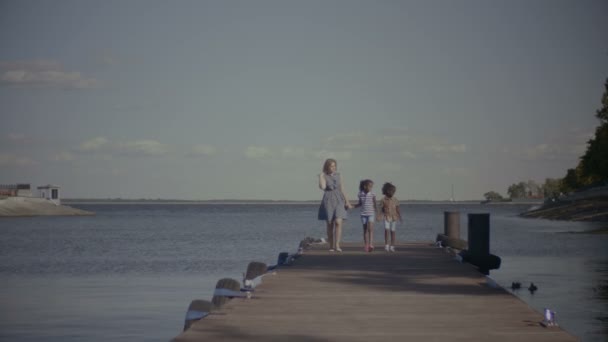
[[130, 272]]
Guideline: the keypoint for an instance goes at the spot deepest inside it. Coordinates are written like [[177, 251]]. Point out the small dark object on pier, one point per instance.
[[532, 288], [515, 285], [283, 257]]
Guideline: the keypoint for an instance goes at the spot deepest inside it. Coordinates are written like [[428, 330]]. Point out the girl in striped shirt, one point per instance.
[[367, 202]]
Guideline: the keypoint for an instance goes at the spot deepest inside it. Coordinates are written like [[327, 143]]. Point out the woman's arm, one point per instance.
[[322, 181], [346, 202], [358, 203]]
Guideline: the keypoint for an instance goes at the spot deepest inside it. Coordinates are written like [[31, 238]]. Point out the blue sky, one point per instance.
[[245, 99]]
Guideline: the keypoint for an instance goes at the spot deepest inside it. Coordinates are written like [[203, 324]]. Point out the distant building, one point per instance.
[[12, 190], [50, 192]]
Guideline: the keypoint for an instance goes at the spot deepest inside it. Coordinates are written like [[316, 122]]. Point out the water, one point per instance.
[[130, 272]]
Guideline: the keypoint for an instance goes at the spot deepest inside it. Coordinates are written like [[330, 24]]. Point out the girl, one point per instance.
[[389, 212], [334, 203], [367, 202]]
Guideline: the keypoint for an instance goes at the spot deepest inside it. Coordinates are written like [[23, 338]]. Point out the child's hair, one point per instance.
[[388, 189], [327, 164], [363, 183]]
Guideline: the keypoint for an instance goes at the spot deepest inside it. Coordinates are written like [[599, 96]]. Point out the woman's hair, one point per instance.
[[388, 189], [363, 183], [327, 164]]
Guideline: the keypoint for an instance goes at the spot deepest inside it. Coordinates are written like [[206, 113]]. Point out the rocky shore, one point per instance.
[[595, 209], [26, 206]]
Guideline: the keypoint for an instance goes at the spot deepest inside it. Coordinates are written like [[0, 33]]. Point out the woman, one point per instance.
[[334, 203]]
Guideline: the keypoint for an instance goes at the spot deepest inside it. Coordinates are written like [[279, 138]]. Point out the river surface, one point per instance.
[[129, 273]]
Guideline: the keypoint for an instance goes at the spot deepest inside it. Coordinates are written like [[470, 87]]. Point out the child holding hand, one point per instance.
[[389, 213], [367, 202]]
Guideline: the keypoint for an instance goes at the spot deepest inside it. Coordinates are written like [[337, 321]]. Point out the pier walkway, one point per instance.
[[419, 293]]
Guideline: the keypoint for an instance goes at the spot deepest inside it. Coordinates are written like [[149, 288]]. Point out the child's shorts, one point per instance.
[[390, 225], [367, 218]]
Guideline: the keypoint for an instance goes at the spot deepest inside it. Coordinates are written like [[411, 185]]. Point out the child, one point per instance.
[[367, 202], [389, 212]]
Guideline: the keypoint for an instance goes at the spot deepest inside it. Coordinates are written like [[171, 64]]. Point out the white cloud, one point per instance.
[[43, 73], [7, 159], [94, 144], [548, 152], [16, 136], [144, 147], [343, 155], [34, 64], [258, 152], [202, 150], [396, 142], [296, 152], [63, 157], [408, 154], [353, 140], [458, 148]]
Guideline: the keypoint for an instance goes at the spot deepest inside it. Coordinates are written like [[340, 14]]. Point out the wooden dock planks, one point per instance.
[[419, 293]]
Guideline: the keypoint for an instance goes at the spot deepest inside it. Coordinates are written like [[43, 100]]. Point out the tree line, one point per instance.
[[591, 171]]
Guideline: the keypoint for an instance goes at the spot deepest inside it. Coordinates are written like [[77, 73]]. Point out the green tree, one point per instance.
[[551, 187], [517, 190], [492, 196], [602, 113], [571, 182], [594, 163]]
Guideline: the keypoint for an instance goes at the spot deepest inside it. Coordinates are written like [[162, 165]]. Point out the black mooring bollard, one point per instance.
[[479, 234], [478, 253]]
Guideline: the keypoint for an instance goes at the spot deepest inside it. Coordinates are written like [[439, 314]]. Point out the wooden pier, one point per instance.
[[419, 293]]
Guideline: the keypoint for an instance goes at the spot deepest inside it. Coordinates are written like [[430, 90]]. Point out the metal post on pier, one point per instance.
[[451, 224]]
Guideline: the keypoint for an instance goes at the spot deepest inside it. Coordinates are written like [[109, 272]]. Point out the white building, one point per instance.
[[50, 192]]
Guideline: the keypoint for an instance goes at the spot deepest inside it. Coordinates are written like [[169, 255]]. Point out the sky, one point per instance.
[[207, 100]]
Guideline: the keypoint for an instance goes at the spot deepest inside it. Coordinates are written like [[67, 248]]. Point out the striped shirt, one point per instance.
[[367, 200]]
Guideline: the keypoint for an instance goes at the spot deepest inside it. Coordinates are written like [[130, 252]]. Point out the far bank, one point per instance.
[[28, 206], [590, 210]]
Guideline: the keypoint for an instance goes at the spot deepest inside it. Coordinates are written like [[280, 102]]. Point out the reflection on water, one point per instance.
[[130, 272]]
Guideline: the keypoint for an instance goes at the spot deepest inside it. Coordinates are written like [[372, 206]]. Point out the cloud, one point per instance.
[[396, 142], [549, 152], [17, 138], [458, 148], [7, 159], [408, 154], [34, 65], [352, 140], [258, 152], [568, 145], [94, 144], [343, 155], [43, 73], [63, 157], [144, 147], [294, 152], [202, 151]]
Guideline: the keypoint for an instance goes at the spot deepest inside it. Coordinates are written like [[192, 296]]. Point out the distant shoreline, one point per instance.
[[247, 202]]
